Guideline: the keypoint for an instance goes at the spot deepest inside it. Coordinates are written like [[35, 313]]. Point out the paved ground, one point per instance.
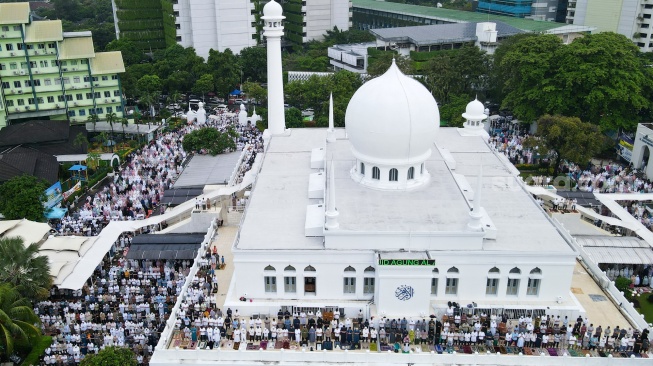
[[224, 241]]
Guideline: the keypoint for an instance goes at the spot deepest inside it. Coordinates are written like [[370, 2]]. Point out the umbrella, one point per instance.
[[109, 143]]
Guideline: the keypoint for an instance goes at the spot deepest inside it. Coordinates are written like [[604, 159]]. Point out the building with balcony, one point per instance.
[[310, 20], [142, 22], [46, 73], [632, 18]]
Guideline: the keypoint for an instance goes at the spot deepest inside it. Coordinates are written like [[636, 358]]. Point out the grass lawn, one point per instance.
[[646, 307], [39, 348]]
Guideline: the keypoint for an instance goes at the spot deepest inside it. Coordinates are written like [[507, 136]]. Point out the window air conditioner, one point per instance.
[[75, 104], [36, 71], [26, 107], [57, 106], [106, 100], [74, 69], [15, 72], [113, 100], [64, 69], [16, 110], [20, 92], [3, 35], [22, 72], [72, 87], [13, 53]]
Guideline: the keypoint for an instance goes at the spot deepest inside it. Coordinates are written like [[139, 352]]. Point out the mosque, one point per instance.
[[392, 215]]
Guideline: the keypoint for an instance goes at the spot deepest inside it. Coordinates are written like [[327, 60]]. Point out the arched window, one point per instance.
[[513, 282], [349, 281], [309, 269], [393, 175], [421, 169], [515, 271], [270, 268], [289, 269], [534, 279], [536, 271], [363, 168], [350, 269], [494, 271], [451, 287], [436, 272], [376, 173], [369, 269], [411, 173], [434, 281], [492, 283]]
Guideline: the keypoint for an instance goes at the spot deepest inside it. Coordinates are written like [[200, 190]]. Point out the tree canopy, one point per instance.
[[17, 321], [110, 356], [23, 268], [565, 138], [211, 140], [22, 197], [600, 78]]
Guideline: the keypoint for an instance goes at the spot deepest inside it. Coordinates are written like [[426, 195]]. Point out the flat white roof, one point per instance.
[[276, 214], [207, 169]]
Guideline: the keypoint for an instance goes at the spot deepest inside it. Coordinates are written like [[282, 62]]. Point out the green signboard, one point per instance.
[[407, 262]]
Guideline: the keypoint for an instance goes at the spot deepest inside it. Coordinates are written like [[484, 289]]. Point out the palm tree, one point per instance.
[[26, 270], [111, 118], [17, 320], [80, 140], [93, 118], [124, 122], [174, 97], [149, 99]]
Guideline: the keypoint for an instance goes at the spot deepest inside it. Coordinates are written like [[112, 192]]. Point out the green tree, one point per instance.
[[80, 141], [204, 85], [294, 118], [22, 197], [93, 160], [111, 356], [17, 321], [225, 69], [451, 112], [565, 138], [211, 140], [381, 61], [124, 122], [24, 269], [131, 54], [255, 91], [111, 118], [94, 119], [253, 61]]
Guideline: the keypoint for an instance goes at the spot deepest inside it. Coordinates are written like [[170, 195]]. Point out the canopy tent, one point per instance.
[[56, 213], [29, 231], [79, 244], [7, 225], [616, 249], [165, 251], [582, 198], [178, 196], [77, 167], [236, 92]]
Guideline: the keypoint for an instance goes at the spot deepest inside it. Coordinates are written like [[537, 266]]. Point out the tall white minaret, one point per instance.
[[273, 31], [331, 212], [331, 133]]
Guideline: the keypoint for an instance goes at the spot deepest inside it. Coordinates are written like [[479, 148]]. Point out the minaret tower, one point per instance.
[[331, 134], [273, 31]]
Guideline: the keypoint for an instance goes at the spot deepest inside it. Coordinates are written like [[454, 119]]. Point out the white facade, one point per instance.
[[632, 18], [322, 15], [218, 25]]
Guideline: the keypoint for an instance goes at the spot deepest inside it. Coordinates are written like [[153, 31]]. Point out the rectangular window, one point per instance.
[[513, 287], [533, 286], [60, 98], [73, 63], [91, 111], [270, 283], [5, 84], [114, 77], [33, 64], [2, 66], [452, 286], [50, 45], [55, 62], [37, 82], [9, 46], [30, 100], [21, 46], [434, 286], [71, 113], [69, 97], [99, 110], [107, 94], [13, 66], [79, 97], [491, 286], [95, 78], [290, 284], [66, 80], [5, 28], [23, 65], [47, 82], [97, 94], [349, 285], [368, 285], [89, 95], [109, 110], [17, 28], [17, 84], [63, 63], [50, 99], [41, 46], [84, 61], [43, 63], [105, 78], [116, 93], [21, 102], [39, 100], [10, 103], [76, 79], [57, 81], [28, 83], [119, 108], [29, 46], [82, 113], [87, 79]]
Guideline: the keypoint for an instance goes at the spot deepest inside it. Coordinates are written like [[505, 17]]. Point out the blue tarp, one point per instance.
[[235, 92], [77, 167], [56, 213]]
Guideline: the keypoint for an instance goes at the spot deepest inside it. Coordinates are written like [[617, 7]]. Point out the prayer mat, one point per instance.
[[202, 345], [236, 345], [176, 343], [184, 344], [503, 350], [574, 353], [386, 348], [278, 345], [264, 345], [602, 354], [528, 351], [286, 345], [192, 345], [438, 349], [253, 347], [373, 347], [644, 355], [552, 351], [426, 348], [623, 354], [467, 350]]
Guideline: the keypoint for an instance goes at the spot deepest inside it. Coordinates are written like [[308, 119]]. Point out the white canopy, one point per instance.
[[29, 231], [70, 243], [7, 225]]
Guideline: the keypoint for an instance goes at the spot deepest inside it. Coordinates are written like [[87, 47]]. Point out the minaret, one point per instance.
[[273, 31], [331, 212], [475, 215], [331, 136]]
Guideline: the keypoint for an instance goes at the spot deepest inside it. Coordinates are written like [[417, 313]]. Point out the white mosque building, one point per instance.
[[392, 214]]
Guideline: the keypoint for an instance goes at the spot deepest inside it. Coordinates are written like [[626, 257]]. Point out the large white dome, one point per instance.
[[392, 119]]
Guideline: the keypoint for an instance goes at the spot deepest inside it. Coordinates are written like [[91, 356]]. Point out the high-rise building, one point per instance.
[[534, 9], [310, 20], [50, 74], [632, 18], [142, 22]]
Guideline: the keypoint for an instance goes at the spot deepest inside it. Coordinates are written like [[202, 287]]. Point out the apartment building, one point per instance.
[[310, 20], [632, 18], [46, 73]]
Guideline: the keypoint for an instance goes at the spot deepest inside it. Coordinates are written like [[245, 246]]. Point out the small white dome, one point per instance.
[[392, 119], [475, 110], [272, 10]]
